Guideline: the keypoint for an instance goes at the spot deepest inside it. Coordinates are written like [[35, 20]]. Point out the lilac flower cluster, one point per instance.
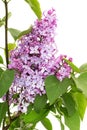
[[34, 59]]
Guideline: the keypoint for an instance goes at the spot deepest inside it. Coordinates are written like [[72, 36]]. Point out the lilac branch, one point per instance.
[[6, 33], [6, 51]]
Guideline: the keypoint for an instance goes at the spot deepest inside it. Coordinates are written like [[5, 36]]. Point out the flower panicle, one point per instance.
[[34, 59]]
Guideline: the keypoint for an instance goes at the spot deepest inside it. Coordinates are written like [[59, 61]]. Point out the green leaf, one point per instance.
[[6, 80], [1, 71], [69, 103], [47, 123], [25, 32], [30, 107], [3, 109], [74, 67], [83, 67], [1, 60], [2, 20], [15, 124], [1, 23], [14, 32], [55, 88], [11, 46], [81, 82], [40, 102], [34, 117], [73, 122], [81, 103], [35, 6]]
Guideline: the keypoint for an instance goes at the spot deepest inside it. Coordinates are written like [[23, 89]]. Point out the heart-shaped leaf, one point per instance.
[[55, 88]]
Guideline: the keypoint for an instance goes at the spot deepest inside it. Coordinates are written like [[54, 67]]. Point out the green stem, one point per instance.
[[12, 120], [6, 32], [6, 52]]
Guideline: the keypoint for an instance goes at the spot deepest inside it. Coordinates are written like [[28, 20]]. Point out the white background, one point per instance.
[[71, 36]]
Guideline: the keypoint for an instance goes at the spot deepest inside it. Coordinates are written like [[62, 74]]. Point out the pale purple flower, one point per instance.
[[34, 50]]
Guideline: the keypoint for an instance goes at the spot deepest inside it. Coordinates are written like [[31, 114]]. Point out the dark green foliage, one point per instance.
[[6, 80], [40, 102], [69, 104], [34, 117], [3, 109], [15, 124]]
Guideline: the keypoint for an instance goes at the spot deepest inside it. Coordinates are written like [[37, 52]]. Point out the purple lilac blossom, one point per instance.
[[34, 59]]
